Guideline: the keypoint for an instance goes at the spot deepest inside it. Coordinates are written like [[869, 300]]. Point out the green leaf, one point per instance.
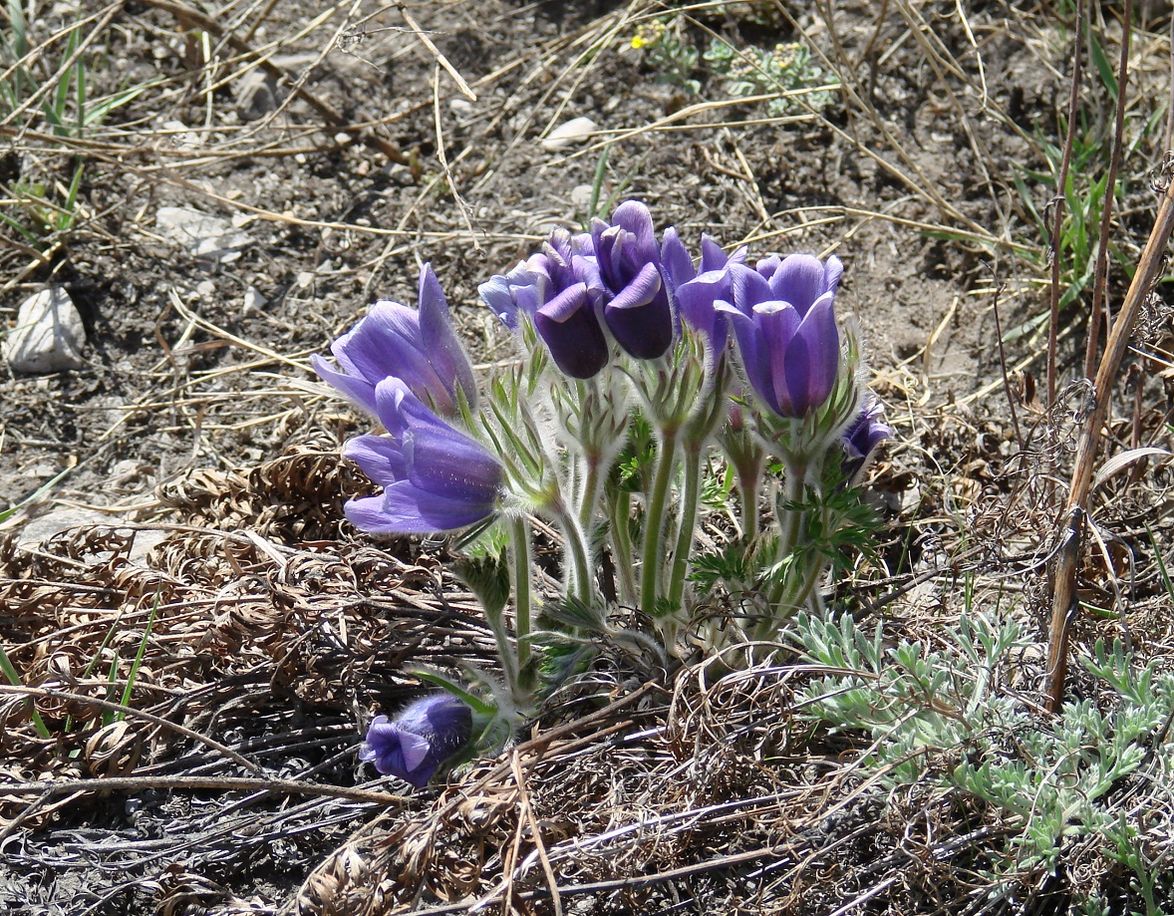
[[475, 703], [488, 577]]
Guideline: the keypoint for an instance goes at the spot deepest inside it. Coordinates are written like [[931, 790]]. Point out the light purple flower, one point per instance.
[[422, 737], [698, 290], [434, 478], [863, 435], [418, 347], [558, 289], [784, 319], [523, 290], [637, 310]]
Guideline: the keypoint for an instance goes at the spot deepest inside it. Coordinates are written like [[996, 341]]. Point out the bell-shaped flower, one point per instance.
[[698, 290], [522, 290], [426, 734], [637, 309], [862, 437], [419, 347], [434, 478], [784, 320], [557, 289]]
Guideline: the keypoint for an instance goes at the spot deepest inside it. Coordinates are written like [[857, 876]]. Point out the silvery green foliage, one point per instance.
[[946, 715]]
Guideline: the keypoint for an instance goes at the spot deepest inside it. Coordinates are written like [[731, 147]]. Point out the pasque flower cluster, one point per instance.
[[640, 368]]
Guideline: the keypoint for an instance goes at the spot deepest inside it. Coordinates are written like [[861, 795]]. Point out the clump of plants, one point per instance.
[[785, 71], [640, 367]]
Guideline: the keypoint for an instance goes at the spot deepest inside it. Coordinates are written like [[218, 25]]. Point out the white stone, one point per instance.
[[202, 234], [569, 133], [581, 195], [253, 301], [48, 336], [180, 135]]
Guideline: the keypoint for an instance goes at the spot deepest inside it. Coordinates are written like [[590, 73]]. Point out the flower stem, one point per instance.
[[621, 540], [748, 479], [576, 546], [520, 532], [590, 491], [790, 525], [654, 522], [688, 523]]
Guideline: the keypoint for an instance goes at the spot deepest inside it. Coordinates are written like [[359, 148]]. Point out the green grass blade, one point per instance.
[[1101, 62], [13, 676], [134, 668]]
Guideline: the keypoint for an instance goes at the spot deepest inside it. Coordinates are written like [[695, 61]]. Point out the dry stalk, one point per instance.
[[1065, 606], [1100, 310]]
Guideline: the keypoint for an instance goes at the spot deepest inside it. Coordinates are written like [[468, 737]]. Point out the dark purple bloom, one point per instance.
[[699, 290], [784, 318], [637, 309], [434, 478], [418, 347], [422, 737], [863, 435], [558, 289]]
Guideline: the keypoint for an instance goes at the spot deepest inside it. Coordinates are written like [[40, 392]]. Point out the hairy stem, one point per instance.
[[688, 522], [520, 532], [621, 540], [654, 522], [590, 490]]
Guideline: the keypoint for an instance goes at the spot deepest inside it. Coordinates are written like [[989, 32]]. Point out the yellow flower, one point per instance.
[[639, 41]]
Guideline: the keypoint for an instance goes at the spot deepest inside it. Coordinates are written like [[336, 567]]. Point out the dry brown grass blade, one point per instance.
[[1065, 606], [193, 783], [330, 114], [49, 693]]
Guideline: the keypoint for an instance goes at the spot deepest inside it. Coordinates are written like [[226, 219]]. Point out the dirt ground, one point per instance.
[[189, 473]]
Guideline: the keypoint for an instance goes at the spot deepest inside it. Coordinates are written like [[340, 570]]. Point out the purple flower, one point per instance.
[[523, 290], [557, 289], [699, 290], [423, 736], [418, 347], [637, 309], [434, 478], [784, 318], [863, 435]]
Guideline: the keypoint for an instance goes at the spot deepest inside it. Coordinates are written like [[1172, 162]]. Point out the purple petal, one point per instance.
[[675, 258], [833, 272], [414, 749], [778, 321], [388, 342], [635, 218], [752, 352], [440, 344], [496, 293], [640, 317], [821, 342], [453, 466], [380, 457], [572, 333], [749, 288], [640, 291], [406, 509], [355, 388], [799, 280], [713, 256]]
